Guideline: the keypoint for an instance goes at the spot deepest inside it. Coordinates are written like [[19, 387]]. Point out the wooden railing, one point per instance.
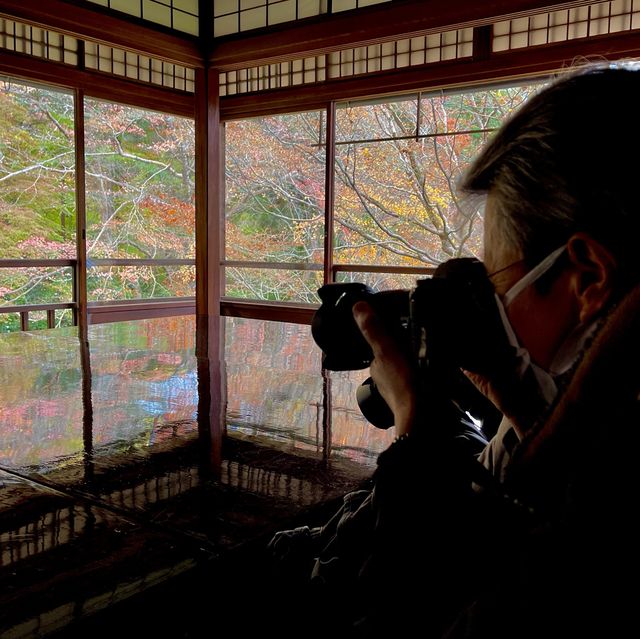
[[122, 310]]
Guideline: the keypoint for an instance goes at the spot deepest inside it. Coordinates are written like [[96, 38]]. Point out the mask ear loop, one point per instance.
[[536, 272], [544, 381]]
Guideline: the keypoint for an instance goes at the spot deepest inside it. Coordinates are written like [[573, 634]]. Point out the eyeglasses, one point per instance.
[[505, 268]]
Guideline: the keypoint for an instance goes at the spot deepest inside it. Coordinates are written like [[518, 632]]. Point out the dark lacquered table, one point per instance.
[[114, 482]]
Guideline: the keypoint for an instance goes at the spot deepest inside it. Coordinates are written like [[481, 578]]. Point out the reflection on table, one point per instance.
[[107, 481]]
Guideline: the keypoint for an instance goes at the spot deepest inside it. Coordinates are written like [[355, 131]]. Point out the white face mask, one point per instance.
[[567, 353]]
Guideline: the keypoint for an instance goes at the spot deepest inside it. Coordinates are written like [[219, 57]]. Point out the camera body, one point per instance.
[[446, 323]]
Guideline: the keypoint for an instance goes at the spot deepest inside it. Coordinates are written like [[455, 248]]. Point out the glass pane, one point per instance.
[[377, 119], [140, 282], [275, 183], [37, 172], [471, 110], [273, 284], [36, 285], [381, 281], [140, 183], [396, 200]]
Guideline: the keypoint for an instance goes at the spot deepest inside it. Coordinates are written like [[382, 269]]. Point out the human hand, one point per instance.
[[515, 395], [390, 369]]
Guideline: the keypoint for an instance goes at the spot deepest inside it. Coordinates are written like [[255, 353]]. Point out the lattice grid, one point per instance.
[[180, 15], [449, 45], [49, 45], [138, 67], [40, 43], [599, 19]]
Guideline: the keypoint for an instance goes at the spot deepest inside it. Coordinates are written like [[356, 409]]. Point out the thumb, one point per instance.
[[371, 327]]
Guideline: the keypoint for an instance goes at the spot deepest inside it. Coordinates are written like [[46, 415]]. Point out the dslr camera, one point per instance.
[[446, 323]]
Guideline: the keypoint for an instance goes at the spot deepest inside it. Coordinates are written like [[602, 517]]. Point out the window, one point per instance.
[[274, 214], [140, 203], [37, 205], [396, 213]]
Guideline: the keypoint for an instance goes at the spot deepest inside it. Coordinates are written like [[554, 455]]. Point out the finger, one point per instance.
[[372, 328]]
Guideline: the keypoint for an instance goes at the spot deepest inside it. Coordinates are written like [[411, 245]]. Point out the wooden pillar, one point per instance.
[[209, 225]]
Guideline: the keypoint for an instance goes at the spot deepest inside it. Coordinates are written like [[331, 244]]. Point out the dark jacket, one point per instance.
[[440, 549]]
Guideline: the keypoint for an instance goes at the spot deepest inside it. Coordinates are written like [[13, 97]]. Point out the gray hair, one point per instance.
[[566, 161]]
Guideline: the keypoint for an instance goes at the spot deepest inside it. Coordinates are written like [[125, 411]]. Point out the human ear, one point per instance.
[[594, 268]]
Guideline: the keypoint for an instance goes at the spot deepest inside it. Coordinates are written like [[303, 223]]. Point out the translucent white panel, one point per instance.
[[558, 18], [90, 55], [343, 5], [578, 30], [333, 62], [119, 68], [70, 44], [465, 50], [359, 60], [185, 23], [522, 40], [225, 25], [104, 3], [189, 5], [251, 4], [635, 22], [403, 46], [501, 43], [600, 10], [558, 34], [118, 55], [222, 7], [579, 14], [190, 80], [308, 8], [158, 13], [520, 24], [127, 6], [401, 60], [417, 57], [449, 52], [156, 71], [599, 26], [282, 11], [365, 3], [104, 64], [501, 28], [540, 36], [37, 50], [450, 37], [619, 23], [253, 19], [621, 6], [143, 74], [433, 55]]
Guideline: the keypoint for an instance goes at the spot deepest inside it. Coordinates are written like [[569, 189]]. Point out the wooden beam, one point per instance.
[[509, 65], [372, 25], [97, 85], [275, 312], [91, 22]]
